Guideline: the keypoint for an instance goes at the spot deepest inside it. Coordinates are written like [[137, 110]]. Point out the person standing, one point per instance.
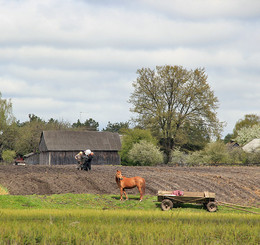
[[79, 158], [87, 158]]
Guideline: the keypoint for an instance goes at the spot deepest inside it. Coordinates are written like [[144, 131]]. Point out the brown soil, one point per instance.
[[240, 185]]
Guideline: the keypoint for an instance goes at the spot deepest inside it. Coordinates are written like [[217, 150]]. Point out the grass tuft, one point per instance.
[[3, 190]]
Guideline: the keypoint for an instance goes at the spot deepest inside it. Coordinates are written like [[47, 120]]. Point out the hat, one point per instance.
[[87, 152]]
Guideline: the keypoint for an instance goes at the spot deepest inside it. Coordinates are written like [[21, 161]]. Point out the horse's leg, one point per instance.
[[121, 194], [126, 197], [141, 193]]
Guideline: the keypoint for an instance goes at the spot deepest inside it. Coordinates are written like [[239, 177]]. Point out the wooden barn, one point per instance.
[[60, 147]]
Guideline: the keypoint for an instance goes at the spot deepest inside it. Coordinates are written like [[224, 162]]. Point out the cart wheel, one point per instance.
[[212, 207], [166, 204]]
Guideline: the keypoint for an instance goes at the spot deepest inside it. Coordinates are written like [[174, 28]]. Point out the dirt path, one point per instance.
[[239, 185]]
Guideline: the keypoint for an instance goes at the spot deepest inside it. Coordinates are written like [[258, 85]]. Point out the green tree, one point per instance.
[[170, 96], [54, 124], [7, 125], [248, 121], [228, 138], [8, 156], [29, 133], [194, 137], [6, 113], [246, 134], [116, 127], [131, 137], [90, 125]]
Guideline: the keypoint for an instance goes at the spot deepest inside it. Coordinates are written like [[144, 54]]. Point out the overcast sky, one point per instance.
[[77, 59]]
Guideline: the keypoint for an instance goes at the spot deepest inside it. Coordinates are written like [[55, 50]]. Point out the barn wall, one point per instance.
[[106, 157], [44, 158], [63, 157], [42, 144], [68, 157], [32, 159]]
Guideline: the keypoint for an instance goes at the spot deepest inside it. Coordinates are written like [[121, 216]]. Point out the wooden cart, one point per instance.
[[168, 199]]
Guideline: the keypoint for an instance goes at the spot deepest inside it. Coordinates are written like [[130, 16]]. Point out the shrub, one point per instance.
[[196, 158], [145, 154], [253, 158], [131, 137], [215, 152], [8, 156], [237, 155], [178, 157]]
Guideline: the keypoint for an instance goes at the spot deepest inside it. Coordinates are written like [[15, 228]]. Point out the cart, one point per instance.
[[169, 199]]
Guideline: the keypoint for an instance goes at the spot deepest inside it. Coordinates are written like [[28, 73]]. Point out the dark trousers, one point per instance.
[[87, 165]]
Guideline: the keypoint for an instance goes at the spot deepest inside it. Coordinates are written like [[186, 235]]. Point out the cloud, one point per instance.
[[201, 9], [59, 58]]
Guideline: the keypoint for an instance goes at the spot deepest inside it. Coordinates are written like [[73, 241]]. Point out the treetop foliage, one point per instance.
[[246, 134], [6, 113], [248, 121], [117, 127], [167, 98]]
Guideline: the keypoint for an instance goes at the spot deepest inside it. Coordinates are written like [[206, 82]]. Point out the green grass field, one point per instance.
[[104, 219]]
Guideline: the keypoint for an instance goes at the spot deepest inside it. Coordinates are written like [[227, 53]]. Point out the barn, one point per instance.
[[60, 147]]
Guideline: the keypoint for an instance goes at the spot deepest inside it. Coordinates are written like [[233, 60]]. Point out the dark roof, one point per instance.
[[79, 140], [232, 144]]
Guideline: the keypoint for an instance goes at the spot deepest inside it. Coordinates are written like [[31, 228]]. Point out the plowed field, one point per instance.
[[240, 185]]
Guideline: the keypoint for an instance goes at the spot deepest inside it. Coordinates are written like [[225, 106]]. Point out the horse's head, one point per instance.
[[119, 175]]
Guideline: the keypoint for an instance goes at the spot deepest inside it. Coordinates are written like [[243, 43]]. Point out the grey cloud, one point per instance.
[[59, 58]]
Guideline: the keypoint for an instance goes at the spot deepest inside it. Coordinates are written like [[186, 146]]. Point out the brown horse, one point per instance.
[[129, 183]]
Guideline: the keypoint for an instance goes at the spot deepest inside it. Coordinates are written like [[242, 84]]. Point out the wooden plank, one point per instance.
[[205, 194], [163, 193], [209, 194], [193, 194]]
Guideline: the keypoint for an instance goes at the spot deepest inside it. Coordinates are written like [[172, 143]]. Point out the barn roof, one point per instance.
[[252, 146], [79, 140]]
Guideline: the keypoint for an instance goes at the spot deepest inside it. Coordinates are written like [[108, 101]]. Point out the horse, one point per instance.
[[129, 183]]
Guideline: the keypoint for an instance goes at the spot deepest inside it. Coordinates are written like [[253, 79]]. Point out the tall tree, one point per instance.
[[167, 98], [7, 124], [29, 135], [6, 113]]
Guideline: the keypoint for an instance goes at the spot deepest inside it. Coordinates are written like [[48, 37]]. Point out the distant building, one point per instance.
[[232, 145], [60, 147], [252, 146], [31, 158]]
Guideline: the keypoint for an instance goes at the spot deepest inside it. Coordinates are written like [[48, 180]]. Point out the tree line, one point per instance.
[[176, 115], [23, 137]]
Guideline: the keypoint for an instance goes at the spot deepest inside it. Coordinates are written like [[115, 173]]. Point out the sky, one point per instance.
[[77, 59]]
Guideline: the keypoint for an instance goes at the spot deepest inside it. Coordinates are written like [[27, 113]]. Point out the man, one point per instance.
[[87, 158], [79, 158]]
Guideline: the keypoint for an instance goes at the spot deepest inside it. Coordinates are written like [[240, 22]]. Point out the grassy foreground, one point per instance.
[[103, 219]]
